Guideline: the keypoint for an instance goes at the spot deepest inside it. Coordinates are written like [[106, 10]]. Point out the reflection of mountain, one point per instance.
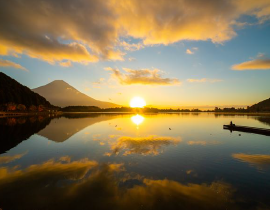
[[15, 130], [61, 129], [62, 94]]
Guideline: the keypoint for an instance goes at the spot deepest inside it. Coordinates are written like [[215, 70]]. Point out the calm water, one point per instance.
[[124, 161]]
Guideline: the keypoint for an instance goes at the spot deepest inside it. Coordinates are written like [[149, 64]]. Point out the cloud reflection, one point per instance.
[[150, 145], [85, 184], [8, 158], [254, 160]]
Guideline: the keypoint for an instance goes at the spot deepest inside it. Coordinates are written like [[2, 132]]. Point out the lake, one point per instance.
[[134, 161]]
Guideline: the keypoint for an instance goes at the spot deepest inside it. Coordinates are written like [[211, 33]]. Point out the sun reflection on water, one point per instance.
[[137, 119]]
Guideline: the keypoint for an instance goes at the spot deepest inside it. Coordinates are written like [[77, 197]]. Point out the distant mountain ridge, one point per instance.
[[62, 94], [12, 91]]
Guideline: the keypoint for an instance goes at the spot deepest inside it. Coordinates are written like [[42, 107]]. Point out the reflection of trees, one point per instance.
[[68, 185], [265, 120], [15, 130]]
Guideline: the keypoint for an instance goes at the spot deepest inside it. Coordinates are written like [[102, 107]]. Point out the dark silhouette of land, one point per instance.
[[16, 97]]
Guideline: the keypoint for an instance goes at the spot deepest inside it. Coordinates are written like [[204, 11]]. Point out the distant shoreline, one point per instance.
[[20, 114]]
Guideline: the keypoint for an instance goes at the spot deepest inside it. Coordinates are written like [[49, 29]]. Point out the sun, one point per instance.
[[137, 102]]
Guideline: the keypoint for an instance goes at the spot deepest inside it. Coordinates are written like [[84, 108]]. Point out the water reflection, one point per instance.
[[265, 120], [10, 158], [150, 145], [258, 160], [86, 184], [61, 129], [137, 119], [15, 130], [149, 168]]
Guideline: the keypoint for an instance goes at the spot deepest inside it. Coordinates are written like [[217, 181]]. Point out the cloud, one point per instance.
[[256, 64], [131, 59], [90, 30], [204, 80], [132, 46], [173, 21], [192, 51], [142, 77], [80, 31], [6, 63], [66, 64], [188, 51], [150, 145]]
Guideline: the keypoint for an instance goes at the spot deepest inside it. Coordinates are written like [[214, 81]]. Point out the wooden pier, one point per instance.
[[262, 131]]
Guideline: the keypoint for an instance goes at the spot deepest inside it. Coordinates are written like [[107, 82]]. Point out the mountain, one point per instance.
[[262, 106], [12, 91], [62, 94]]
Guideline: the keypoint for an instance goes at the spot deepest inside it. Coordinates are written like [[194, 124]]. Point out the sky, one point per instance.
[[174, 54]]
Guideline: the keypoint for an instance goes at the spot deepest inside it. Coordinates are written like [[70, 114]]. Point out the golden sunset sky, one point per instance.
[[172, 53]]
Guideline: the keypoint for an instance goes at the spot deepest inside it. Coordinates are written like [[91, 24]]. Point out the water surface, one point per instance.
[[127, 161]]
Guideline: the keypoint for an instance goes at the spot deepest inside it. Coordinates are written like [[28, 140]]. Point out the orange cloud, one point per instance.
[[203, 80], [10, 64], [89, 30], [142, 77], [167, 22], [257, 64], [66, 64]]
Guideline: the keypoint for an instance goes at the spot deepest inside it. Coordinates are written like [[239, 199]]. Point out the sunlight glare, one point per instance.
[[137, 102], [137, 119]]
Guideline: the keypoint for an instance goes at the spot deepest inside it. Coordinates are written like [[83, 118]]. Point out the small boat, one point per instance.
[[262, 131]]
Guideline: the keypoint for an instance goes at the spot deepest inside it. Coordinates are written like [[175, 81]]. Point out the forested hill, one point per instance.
[[261, 106], [13, 92]]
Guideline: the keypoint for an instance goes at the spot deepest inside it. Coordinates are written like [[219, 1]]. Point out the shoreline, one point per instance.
[[19, 114]]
